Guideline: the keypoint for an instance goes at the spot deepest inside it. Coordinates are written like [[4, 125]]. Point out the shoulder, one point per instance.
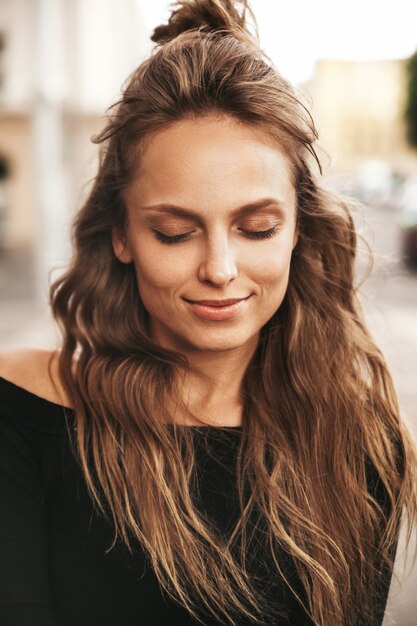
[[36, 371]]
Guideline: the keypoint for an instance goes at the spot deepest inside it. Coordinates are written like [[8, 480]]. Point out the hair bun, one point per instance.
[[209, 15]]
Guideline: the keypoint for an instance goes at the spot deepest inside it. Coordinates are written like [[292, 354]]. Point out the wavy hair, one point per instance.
[[319, 404]]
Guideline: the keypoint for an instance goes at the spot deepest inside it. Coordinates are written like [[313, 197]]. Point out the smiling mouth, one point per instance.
[[218, 310], [217, 303]]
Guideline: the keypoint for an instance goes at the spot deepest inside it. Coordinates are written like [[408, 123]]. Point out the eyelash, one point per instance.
[[255, 234]]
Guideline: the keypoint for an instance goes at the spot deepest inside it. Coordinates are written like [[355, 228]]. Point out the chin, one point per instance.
[[217, 347], [197, 339], [222, 342]]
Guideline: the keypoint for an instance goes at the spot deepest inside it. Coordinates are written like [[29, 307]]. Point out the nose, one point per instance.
[[218, 265]]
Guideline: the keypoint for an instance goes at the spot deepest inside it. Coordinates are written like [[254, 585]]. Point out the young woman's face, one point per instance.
[[211, 219]]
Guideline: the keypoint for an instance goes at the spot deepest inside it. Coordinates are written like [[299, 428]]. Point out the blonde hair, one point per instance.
[[320, 411]]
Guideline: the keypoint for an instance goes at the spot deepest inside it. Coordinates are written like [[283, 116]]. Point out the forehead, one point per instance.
[[211, 161]]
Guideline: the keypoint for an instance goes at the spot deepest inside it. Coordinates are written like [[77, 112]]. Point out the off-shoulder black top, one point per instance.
[[55, 566]]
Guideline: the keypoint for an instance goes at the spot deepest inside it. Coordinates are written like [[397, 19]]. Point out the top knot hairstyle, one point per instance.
[[213, 16], [319, 406]]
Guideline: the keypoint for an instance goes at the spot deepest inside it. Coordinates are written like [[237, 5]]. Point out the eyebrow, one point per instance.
[[250, 207]]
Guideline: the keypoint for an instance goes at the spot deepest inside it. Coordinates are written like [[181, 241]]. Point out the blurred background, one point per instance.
[[62, 63]]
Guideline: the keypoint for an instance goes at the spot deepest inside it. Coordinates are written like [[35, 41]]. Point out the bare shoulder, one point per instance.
[[35, 370]]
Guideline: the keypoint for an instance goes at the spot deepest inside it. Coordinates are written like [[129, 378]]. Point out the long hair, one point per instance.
[[320, 409]]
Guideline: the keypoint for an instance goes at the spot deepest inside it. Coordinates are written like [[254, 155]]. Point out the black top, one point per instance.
[[55, 568]]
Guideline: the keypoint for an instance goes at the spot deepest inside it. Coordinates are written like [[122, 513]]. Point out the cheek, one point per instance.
[[271, 268], [274, 285], [159, 269]]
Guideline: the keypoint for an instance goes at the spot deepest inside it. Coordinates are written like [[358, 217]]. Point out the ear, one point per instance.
[[120, 246]]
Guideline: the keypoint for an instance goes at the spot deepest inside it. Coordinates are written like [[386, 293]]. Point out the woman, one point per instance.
[[232, 451]]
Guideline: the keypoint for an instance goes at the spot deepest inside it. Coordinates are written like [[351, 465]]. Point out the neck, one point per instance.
[[211, 390]]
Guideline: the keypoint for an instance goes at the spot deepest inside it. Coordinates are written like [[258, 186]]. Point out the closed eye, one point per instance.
[[259, 234], [171, 238], [249, 234]]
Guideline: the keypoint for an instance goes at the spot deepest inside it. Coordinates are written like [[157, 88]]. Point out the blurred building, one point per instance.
[[358, 107], [61, 66]]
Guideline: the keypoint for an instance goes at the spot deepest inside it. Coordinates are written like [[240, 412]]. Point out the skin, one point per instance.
[[210, 167]]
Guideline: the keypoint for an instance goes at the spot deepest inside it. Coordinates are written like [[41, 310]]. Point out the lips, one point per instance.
[[217, 303], [218, 310]]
